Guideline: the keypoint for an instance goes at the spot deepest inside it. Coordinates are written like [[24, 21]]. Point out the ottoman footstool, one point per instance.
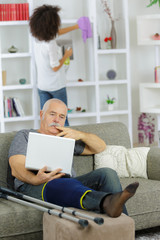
[[121, 228]]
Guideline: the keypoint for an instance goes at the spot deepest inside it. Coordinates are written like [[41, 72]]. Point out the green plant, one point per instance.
[[110, 100], [153, 2]]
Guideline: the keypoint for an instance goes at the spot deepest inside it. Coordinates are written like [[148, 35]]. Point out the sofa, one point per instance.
[[25, 223]]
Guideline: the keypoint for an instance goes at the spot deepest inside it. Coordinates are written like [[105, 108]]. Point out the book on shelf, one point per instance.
[[14, 12], [13, 107], [6, 114], [4, 77], [19, 106]]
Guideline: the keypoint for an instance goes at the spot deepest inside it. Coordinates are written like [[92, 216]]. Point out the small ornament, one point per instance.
[[156, 36], [12, 49], [22, 81], [111, 74], [146, 128], [78, 109], [70, 110]]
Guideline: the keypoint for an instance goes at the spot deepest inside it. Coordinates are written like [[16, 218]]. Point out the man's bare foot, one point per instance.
[[113, 204]]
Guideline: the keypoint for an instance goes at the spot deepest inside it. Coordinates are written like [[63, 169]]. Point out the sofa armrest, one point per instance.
[[153, 163]]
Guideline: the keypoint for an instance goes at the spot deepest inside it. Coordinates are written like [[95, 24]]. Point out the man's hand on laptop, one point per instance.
[[69, 133], [43, 176]]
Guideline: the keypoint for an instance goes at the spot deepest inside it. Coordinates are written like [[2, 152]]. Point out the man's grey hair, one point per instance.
[[47, 104]]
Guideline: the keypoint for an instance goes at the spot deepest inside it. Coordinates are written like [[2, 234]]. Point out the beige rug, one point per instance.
[[148, 234]]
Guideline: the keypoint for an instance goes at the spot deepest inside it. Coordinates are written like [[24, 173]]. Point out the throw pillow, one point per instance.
[[113, 157], [137, 162], [126, 162]]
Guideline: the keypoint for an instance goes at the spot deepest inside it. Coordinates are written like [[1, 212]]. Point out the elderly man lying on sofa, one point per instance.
[[99, 190]]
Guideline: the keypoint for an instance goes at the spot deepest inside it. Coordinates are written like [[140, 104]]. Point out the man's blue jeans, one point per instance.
[[104, 181], [59, 94]]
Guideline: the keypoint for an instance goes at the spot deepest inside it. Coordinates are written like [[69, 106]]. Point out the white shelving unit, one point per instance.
[[150, 101], [147, 27], [117, 59], [150, 98], [89, 64], [17, 65]]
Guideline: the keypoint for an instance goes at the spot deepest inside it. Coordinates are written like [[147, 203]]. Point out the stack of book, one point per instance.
[[13, 107], [14, 12]]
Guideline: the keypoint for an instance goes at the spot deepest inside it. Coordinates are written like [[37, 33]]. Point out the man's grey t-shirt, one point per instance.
[[19, 147]]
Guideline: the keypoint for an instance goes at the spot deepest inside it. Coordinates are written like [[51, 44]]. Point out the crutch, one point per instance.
[[64, 210]]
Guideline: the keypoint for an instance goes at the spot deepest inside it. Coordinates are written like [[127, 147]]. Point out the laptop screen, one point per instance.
[[51, 151]]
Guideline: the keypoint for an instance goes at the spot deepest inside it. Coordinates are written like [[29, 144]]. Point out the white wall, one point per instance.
[[142, 57]]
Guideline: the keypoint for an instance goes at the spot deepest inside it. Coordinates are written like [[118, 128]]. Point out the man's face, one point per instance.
[[56, 114]]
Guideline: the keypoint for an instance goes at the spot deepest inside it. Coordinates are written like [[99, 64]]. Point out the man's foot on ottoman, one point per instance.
[[113, 204]]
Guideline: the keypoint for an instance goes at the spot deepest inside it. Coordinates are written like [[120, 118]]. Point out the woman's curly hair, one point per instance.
[[45, 22]]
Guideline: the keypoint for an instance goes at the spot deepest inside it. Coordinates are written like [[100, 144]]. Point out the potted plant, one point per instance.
[[110, 103]]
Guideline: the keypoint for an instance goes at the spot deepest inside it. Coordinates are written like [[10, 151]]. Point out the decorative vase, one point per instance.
[[113, 35], [111, 74], [12, 49], [22, 81]]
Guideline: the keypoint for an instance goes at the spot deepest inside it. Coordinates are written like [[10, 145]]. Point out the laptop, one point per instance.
[[51, 151]]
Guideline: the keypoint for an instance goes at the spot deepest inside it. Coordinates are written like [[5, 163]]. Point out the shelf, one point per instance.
[[150, 85], [80, 84], [82, 115], [19, 119], [154, 110], [149, 97], [13, 23], [112, 82], [17, 87], [114, 112], [15, 55], [148, 26], [116, 62], [111, 51]]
